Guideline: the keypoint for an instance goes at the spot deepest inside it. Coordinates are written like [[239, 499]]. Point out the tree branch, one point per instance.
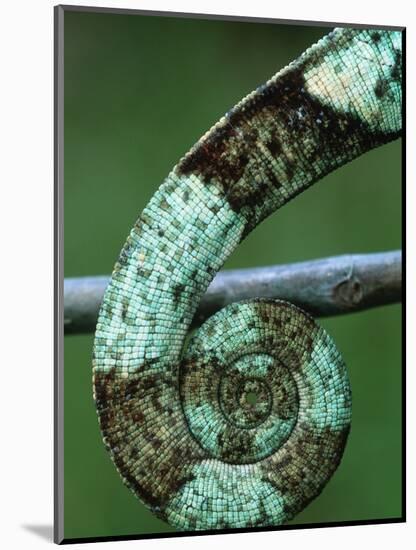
[[329, 286]]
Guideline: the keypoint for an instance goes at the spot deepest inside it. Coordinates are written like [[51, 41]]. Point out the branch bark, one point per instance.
[[324, 287]]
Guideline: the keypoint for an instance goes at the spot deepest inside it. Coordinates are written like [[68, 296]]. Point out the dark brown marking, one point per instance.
[[223, 157], [124, 311], [325, 448], [380, 88], [177, 292], [274, 147], [396, 71]]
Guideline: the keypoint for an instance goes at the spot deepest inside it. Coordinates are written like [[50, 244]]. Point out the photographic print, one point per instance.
[[231, 358]]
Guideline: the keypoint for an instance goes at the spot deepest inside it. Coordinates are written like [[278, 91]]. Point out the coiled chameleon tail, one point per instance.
[[250, 424]]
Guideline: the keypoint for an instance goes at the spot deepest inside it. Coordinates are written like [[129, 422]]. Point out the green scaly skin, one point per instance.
[[185, 433]]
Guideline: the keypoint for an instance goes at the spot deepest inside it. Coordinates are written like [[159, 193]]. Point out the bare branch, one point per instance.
[[329, 286]]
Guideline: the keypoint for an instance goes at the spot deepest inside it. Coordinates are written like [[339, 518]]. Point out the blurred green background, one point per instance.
[[139, 91]]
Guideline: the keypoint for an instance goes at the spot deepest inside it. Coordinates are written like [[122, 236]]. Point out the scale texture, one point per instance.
[[244, 426]]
